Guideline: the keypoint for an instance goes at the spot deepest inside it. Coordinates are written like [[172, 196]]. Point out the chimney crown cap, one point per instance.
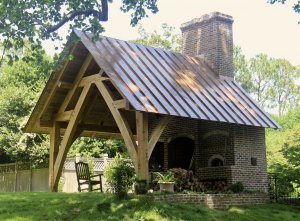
[[206, 18]]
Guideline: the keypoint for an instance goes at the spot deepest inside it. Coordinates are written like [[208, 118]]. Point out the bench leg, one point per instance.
[[101, 184]]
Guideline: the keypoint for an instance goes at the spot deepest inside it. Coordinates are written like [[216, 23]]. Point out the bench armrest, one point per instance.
[[97, 175]]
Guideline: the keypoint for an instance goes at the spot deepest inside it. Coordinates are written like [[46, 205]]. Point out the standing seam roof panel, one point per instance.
[[204, 114], [166, 89], [160, 92], [159, 81], [185, 93], [129, 71], [230, 102]]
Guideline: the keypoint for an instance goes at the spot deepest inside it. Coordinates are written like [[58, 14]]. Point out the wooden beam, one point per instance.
[[157, 133], [54, 89], [54, 148], [98, 128], [64, 85], [121, 104], [65, 116], [89, 79], [104, 79], [78, 78], [69, 135], [88, 110], [120, 121], [142, 151]]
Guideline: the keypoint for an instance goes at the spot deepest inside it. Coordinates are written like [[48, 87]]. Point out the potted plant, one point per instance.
[[166, 181]]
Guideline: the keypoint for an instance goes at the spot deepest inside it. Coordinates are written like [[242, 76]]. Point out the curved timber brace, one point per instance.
[[140, 149]]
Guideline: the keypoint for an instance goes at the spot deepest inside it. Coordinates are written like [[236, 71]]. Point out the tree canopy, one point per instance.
[[20, 86], [37, 20], [166, 38], [271, 81], [283, 150], [296, 4]]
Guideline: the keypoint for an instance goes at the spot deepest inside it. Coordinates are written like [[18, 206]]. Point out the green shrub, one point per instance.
[[120, 175], [237, 187]]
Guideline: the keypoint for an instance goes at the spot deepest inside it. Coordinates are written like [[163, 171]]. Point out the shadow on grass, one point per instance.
[[142, 209], [96, 206]]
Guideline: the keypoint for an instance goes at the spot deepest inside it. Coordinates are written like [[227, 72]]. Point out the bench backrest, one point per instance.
[[82, 171]]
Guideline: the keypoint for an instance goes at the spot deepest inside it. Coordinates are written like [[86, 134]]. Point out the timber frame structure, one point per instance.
[[114, 89], [67, 124], [60, 143]]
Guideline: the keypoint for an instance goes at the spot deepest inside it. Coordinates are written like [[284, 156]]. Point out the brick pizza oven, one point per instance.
[[214, 150]]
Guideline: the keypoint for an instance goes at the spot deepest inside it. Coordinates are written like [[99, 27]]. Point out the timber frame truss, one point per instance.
[[140, 146]]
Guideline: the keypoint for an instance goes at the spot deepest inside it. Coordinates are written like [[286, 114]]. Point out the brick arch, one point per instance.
[[180, 152], [215, 156], [218, 142], [215, 132], [190, 136]]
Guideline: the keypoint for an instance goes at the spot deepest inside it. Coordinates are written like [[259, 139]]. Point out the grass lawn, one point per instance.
[[96, 206]]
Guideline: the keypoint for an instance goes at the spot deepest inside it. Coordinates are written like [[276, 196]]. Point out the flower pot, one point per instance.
[[141, 187], [166, 186]]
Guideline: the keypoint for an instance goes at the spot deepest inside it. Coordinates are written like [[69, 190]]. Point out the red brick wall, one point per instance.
[[211, 37], [217, 201], [243, 142], [250, 142]]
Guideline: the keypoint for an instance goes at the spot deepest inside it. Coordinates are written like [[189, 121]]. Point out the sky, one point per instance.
[[258, 26]]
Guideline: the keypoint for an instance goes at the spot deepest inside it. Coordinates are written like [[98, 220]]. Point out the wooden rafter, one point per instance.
[[92, 127], [157, 133], [89, 79], [54, 89], [79, 76], [70, 132], [64, 85], [89, 108], [64, 116], [120, 121], [121, 104]]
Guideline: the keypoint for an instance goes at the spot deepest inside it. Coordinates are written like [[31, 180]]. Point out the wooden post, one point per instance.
[[70, 133], [30, 178], [16, 177], [54, 148], [142, 150]]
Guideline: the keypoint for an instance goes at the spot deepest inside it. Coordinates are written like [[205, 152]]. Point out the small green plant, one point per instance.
[[164, 178], [120, 175], [237, 187]]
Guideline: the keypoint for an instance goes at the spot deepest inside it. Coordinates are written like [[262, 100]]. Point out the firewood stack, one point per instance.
[[219, 185], [185, 180]]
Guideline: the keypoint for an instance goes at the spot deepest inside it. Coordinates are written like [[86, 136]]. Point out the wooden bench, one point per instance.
[[85, 178]]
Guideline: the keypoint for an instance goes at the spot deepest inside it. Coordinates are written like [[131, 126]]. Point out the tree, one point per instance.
[[271, 82], [296, 5], [37, 20], [283, 150], [261, 71], [97, 147], [167, 40], [241, 70], [285, 93], [20, 85]]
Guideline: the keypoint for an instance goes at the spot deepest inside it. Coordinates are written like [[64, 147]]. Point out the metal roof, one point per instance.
[[160, 81]]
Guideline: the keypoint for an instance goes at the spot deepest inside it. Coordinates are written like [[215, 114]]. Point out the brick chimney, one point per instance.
[[210, 36]]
